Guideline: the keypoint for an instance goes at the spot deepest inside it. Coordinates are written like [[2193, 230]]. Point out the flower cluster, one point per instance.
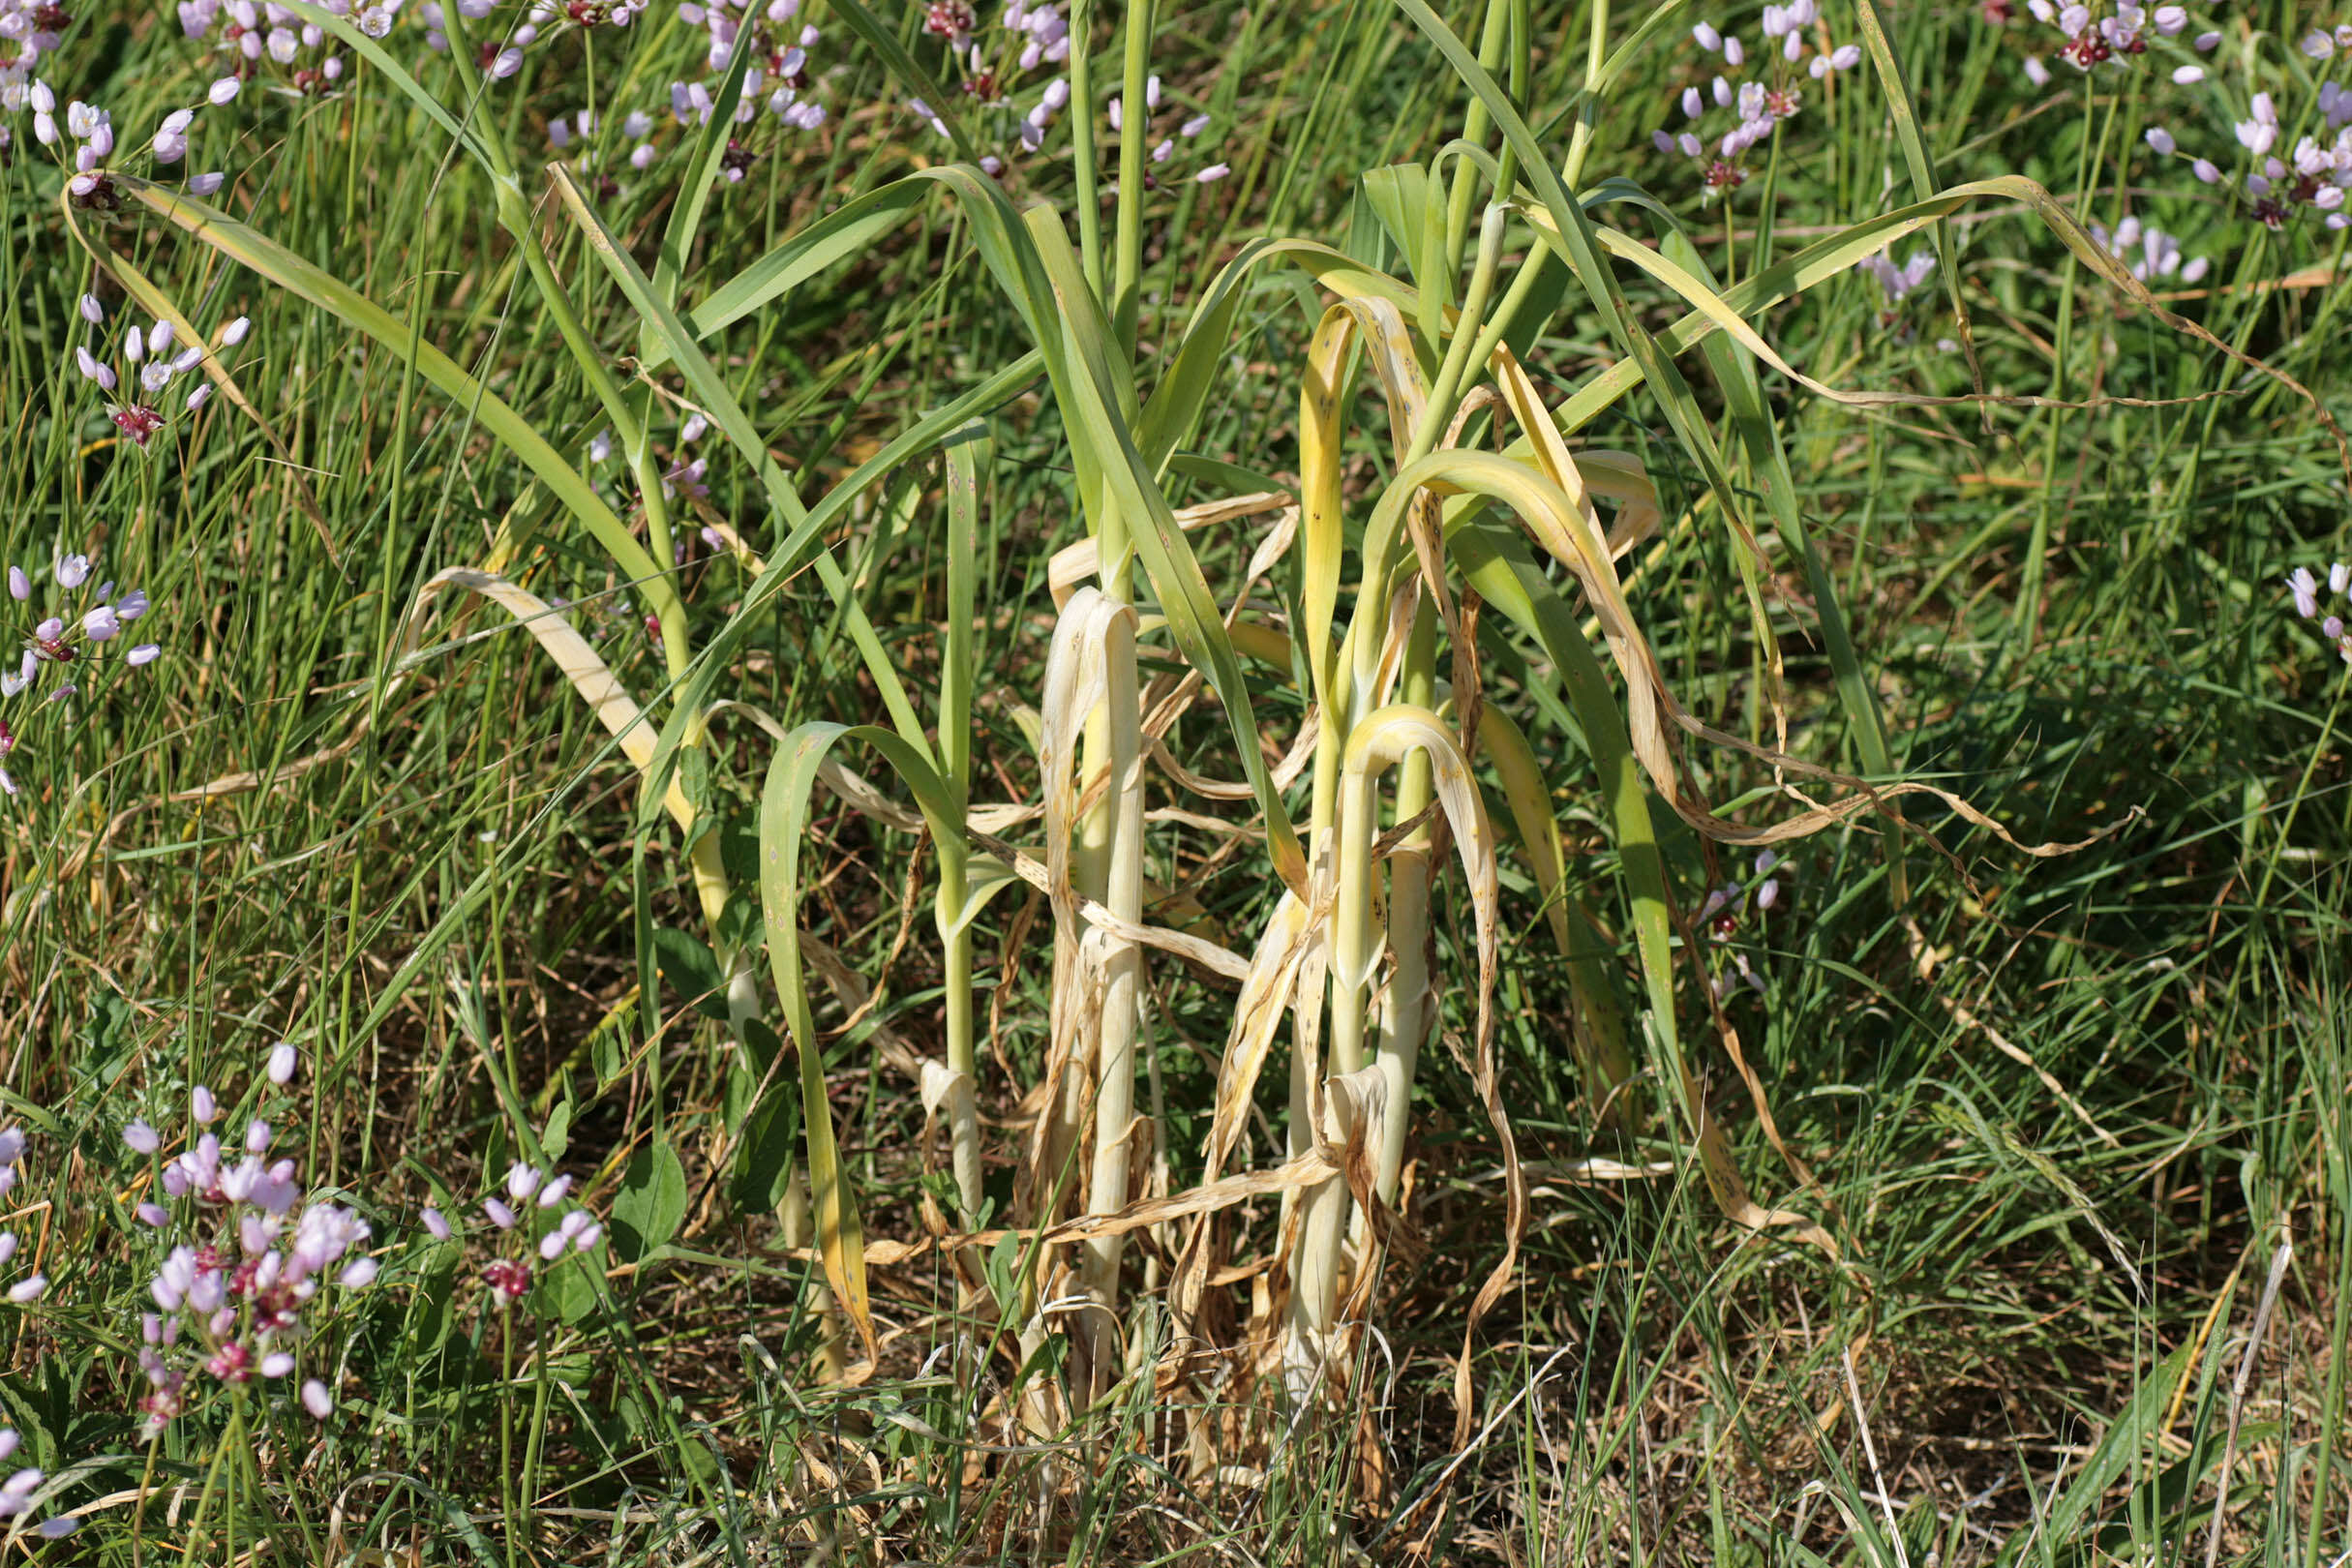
[[65, 636], [30, 1289], [1164, 145], [253, 1263], [1724, 909], [1897, 282], [149, 362], [2276, 186], [779, 70], [88, 130], [17, 1490], [996, 69], [2304, 588], [2148, 252], [1761, 103], [684, 476], [2315, 178], [2094, 36], [562, 1228], [33, 27], [251, 39], [776, 91]]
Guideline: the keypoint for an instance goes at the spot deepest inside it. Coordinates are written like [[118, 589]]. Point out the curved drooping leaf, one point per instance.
[[784, 824], [277, 265], [847, 232]]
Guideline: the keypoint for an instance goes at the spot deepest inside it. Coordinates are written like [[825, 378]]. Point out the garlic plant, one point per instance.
[[1489, 493]]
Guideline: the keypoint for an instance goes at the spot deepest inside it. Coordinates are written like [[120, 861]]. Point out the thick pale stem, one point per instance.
[[1315, 1276], [1089, 876], [968, 459], [963, 1056], [1409, 1004], [1090, 686], [1122, 999], [1314, 1290]]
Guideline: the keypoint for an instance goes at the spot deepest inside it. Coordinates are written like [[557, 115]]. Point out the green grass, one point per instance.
[[2057, 1112]]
